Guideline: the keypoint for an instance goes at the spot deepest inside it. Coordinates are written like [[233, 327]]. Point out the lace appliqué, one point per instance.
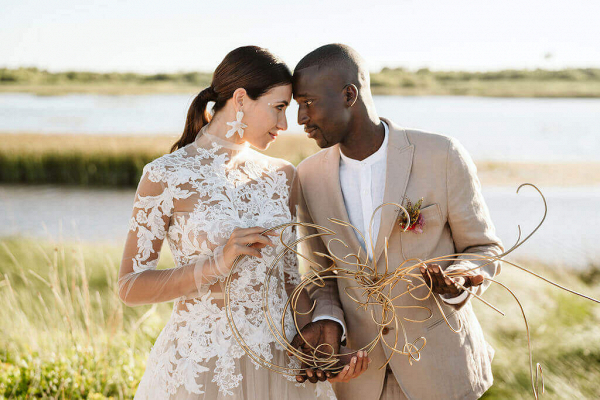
[[225, 195]]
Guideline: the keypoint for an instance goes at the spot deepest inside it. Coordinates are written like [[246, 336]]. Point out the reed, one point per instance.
[[111, 160], [65, 333], [96, 160]]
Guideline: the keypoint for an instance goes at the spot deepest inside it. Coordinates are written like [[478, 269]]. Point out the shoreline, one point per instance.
[[502, 89], [63, 152], [566, 82]]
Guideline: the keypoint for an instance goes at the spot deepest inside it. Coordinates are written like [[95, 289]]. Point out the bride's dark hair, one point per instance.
[[250, 67]]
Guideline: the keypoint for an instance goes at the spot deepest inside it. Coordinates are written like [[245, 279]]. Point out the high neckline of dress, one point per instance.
[[203, 136]]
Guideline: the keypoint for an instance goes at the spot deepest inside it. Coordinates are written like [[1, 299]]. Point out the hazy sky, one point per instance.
[[152, 36]]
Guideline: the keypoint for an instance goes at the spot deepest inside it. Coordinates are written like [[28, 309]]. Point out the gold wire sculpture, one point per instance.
[[376, 290]]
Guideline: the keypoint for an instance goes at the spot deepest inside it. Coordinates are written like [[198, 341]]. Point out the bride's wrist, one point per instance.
[[220, 261]]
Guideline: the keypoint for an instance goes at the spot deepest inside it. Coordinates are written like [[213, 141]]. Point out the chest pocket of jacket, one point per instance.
[[420, 245]]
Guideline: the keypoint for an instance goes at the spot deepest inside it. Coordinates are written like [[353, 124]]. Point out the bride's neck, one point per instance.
[[218, 126]]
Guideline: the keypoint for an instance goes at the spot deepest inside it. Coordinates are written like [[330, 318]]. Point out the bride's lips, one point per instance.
[[273, 134]]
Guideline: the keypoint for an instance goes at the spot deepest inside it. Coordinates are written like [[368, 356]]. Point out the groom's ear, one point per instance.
[[350, 94]]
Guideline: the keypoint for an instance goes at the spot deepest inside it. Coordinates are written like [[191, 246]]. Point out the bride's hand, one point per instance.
[[246, 241], [355, 363]]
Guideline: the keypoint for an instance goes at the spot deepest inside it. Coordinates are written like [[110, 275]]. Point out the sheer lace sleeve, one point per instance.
[[139, 280]]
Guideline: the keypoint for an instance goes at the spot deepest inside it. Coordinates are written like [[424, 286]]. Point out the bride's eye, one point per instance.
[[280, 107]]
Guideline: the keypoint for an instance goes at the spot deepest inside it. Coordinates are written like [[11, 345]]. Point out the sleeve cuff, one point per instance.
[[321, 317], [457, 299]]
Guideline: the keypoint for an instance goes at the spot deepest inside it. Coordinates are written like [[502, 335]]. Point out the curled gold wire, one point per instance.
[[370, 290]]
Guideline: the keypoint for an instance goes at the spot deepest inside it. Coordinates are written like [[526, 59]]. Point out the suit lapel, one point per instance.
[[333, 205], [399, 162]]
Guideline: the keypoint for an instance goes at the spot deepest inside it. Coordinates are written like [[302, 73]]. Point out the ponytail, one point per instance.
[[250, 67], [197, 117]]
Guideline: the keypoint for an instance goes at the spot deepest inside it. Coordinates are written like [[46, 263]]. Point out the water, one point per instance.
[[545, 130], [548, 130], [568, 237]]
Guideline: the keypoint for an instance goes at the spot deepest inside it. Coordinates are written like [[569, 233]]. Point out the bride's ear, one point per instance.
[[238, 98]]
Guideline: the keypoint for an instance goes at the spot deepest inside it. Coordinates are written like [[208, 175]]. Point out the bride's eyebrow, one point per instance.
[[285, 102]]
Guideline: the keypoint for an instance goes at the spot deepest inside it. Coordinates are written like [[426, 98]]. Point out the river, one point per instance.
[[512, 129], [507, 129], [569, 236]]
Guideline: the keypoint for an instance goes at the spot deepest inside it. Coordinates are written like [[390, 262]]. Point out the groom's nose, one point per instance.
[[302, 117]]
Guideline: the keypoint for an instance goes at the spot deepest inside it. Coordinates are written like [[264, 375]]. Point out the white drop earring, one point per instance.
[[237, 125]]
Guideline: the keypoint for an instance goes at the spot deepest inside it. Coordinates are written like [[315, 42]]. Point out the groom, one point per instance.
[[367, 161]]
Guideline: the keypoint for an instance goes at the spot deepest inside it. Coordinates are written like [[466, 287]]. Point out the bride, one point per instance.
[[211, 197]]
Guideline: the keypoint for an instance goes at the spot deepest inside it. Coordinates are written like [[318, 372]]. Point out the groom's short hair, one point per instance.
[[342, 58]]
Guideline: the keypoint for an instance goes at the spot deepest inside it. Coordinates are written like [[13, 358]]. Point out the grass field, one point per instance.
[[117, 161], [65, 333], [576, 82], [94, 160]]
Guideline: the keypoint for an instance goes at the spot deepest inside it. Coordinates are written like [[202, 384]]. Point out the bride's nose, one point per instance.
[[282, 123]]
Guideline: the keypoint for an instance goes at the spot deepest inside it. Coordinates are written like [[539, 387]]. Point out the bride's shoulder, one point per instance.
[[166, 163], [278, 164]]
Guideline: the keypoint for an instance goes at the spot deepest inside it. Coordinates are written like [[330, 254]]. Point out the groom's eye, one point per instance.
[[308, 102]]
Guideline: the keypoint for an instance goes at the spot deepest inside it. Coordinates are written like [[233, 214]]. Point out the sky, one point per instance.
[[169, 36]]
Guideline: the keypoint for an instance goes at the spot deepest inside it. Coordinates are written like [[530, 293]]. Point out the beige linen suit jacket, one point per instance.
[[437, 168]]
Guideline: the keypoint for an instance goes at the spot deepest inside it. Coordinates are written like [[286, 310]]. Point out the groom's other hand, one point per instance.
[[323, 332], [436, 278]]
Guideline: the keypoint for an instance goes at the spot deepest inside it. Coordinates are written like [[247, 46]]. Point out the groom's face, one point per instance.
[[322, 108]]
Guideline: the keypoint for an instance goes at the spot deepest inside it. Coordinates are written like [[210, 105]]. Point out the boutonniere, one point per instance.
[[417, 222]]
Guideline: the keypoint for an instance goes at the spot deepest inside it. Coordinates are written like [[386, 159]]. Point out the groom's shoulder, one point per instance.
[[428, 140], [422, 140], [431, 145], [313, 162]]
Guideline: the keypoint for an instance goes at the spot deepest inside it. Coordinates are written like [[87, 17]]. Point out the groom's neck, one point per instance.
[[365, 136]]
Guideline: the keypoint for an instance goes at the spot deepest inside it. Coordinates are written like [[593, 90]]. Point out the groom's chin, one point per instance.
[[325, 145], [321, 142]]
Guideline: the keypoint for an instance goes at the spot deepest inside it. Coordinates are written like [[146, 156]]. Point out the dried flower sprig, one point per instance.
[[415, 220]]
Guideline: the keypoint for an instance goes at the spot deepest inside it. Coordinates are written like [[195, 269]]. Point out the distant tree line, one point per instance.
[[386, 77], [39, 76], [407, 78]]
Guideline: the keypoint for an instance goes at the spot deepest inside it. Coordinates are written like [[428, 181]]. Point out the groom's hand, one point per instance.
[[436, 278], [324, 332]]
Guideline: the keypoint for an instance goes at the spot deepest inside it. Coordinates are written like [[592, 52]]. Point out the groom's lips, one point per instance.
[[310, 132]]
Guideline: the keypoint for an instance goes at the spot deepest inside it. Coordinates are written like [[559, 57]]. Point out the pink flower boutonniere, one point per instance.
[[417, 222]]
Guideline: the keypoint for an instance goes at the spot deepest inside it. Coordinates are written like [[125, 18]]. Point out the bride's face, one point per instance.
[[265, 116]]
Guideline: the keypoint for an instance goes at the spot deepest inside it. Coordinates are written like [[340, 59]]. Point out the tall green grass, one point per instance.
[[565, 333], [95, 160], [73, 169], [64, 332]]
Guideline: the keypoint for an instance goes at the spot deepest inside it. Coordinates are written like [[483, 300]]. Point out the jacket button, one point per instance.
[[385, 330]]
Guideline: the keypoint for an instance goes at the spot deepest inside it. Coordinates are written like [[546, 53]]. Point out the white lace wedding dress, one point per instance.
[[195, 197]]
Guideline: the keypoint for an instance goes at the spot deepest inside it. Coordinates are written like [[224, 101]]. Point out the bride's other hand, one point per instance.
[[356, 364], [246, 241]]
